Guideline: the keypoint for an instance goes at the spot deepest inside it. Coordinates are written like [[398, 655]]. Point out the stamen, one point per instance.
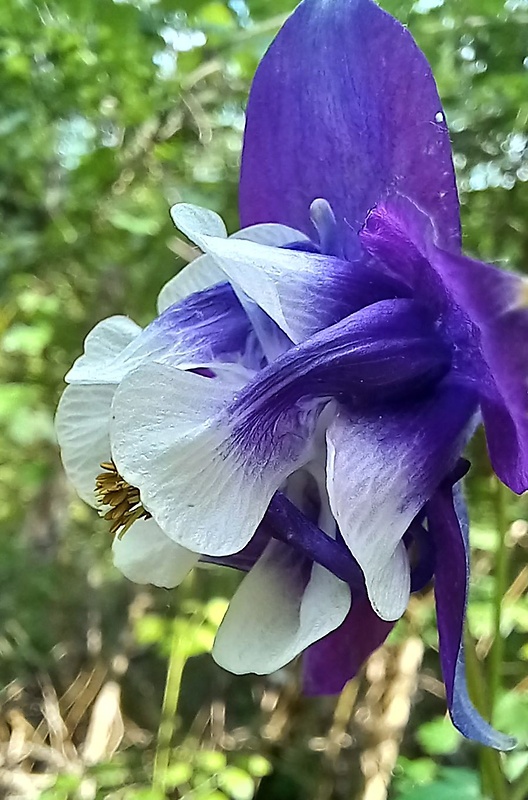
[[111, 489]]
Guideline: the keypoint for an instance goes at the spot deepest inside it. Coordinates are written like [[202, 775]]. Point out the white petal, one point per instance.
[[195, 221], [81, 425], [171, 438], [146, 555], [270, 233], [203, 272], [102, 348], [273, 616], [366, 498], [200, 274]]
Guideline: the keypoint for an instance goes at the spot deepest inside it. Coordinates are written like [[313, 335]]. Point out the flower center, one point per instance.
[[125, 503]]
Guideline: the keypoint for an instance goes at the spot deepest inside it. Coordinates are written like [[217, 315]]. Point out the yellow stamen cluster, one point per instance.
[[126, 507]]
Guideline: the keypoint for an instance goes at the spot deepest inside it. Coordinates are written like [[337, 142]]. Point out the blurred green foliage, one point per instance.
[[112, 111]]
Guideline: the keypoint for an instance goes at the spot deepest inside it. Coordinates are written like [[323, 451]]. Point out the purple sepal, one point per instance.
[[482, 310], [384, 352], [448, 526], [331, 662], [344, 107], [496, 302]]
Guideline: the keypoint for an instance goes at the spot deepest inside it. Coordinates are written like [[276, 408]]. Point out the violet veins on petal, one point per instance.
[[299, 408]]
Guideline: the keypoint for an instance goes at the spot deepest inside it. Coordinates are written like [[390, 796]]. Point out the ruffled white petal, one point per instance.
[[82, 427], [381, 470], [275, 614], [172, 438], [102, 347], [146, 555]]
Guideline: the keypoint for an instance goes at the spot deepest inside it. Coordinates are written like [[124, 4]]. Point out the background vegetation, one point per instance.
[[111, 111]]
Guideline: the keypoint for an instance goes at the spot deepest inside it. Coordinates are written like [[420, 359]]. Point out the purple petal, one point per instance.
[[449, 528], [381, 352], [334, 660], [344, 107], [382, 467]]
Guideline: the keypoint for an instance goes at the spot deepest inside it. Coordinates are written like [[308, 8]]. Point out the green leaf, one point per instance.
[[453, 784], [439, 736]]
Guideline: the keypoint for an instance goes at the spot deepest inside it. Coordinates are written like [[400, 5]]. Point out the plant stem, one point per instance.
[[520, 787], [493, 782], [501, 579], [177, 659]]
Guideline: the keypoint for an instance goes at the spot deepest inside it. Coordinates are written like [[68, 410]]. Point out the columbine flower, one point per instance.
[[303, 413]]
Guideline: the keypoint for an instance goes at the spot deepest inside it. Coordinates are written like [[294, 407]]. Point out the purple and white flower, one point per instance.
[[300, 407]]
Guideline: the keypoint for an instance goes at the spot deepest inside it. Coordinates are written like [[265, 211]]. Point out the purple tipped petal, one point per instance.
[[334, 660], [302, 292], [449, 528], [382, 468], [208, 326], [344, 107]]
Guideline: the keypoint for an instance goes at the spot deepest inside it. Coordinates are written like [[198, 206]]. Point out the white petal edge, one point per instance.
[[146, 555], [82, 428], [200, 274], [272, 618], [102, 347], [194, 221]]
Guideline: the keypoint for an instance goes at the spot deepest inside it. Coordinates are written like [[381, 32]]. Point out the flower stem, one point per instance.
[[493, 782], [501, 579], [167, 726]]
